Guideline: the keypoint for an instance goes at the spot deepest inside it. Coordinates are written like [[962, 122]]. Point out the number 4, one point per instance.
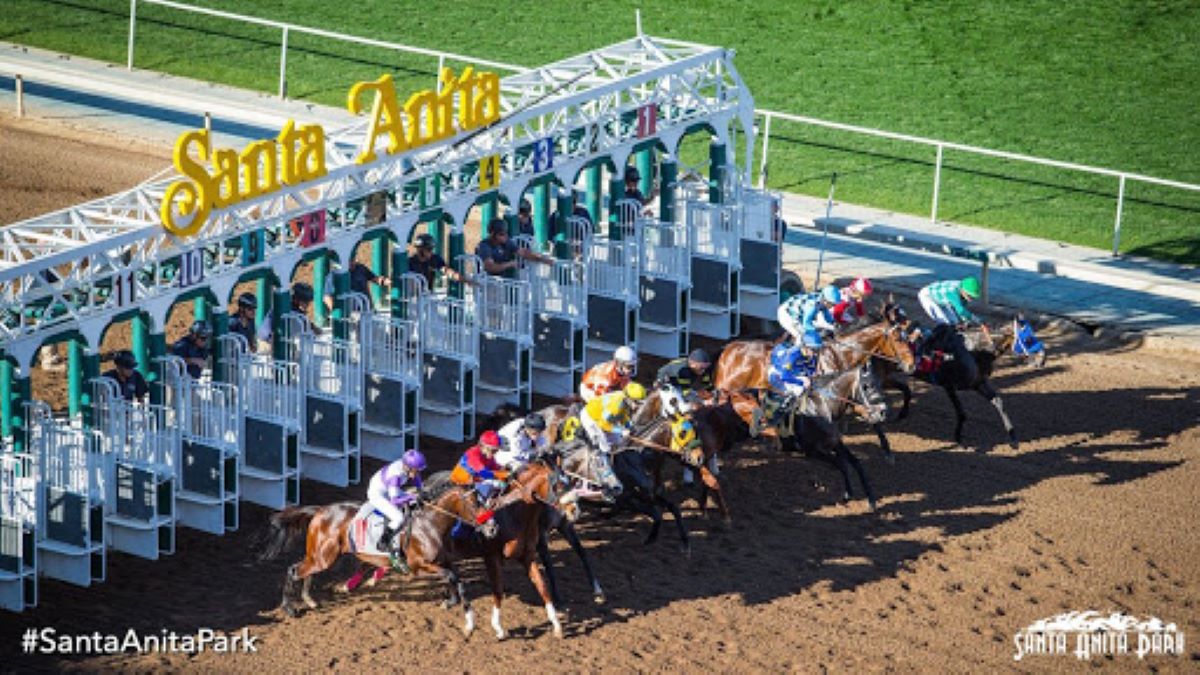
[[489, 172]]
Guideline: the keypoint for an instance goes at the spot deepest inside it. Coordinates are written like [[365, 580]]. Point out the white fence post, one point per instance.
[[937, 184], [19, 83], [1117, 226], [438, 78], [283, 64], [762, 166], [132, 27]]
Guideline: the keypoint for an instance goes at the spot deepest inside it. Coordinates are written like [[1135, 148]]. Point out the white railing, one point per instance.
[[288, 28], [448, 328], [393, 348], [941, 146], [665, 250], [613, 267], [768, 115], [715, 230], [559, 288], [332, 368]]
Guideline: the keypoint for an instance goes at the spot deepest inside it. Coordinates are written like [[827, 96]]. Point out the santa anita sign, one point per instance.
[[1089, 635], [219, 178]]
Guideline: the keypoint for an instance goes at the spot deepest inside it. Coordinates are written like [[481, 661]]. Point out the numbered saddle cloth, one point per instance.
[[366, 529]]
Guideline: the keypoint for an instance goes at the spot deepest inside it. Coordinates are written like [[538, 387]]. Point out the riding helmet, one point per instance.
[[970, 286], [201, 329], [124, 359], [413, 459], [699, 356], [831, 295], [535, 421], [490, 439], [424, 241]]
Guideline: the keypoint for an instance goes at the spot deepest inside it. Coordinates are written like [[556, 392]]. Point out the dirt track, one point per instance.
[[1096, 510]]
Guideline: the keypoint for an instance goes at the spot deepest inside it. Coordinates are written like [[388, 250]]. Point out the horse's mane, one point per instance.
[[437, 485]]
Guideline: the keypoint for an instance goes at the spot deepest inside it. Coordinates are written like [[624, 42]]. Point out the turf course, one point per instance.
[[1111, 84]]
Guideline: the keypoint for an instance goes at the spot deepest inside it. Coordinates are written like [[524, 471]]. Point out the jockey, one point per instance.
[[946, 301], [479, 468], [851, 308], [605, 420], [798, 315], [691, 374], [385, 493], [609, 376], [522, 440], [792, 366]]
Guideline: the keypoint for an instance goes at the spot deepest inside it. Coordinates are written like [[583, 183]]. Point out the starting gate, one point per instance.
[[612, 290], [210, 418], [762, 239], [560, 321], [391, 384], [502, 309], [18, 531], [450, 339], [269, 394], [665, 287], [715, 232], [331, 380], [142, 442], [74, 475]]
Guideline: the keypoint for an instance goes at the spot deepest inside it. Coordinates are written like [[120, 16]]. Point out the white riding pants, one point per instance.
[[377, 496]]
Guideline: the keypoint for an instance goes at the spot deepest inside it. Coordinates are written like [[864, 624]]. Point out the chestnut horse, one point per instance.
[[519, 518], [424, 543]]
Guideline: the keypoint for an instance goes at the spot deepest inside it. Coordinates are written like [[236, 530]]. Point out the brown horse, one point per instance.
[[519, 517], [424, 543]]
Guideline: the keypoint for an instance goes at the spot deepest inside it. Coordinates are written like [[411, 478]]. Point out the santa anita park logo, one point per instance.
[[1088, 635]]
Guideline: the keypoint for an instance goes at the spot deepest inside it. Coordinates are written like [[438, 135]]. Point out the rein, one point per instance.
[[869, 352]]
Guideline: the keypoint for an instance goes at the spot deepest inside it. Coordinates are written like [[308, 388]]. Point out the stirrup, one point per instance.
[[399, 563]]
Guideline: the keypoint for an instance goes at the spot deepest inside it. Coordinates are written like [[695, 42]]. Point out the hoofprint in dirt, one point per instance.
[[1096, 510]]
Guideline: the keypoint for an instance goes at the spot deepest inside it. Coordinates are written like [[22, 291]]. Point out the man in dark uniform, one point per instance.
[[580, 210], [133, 385], [302, 297], [525, 218], [632, 176], [193, 348], [242, 321], [427, 263], [499, 254], [688, 375], [361, 278]]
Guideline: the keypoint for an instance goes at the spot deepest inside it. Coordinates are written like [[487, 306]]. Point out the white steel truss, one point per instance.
[[80, 267]]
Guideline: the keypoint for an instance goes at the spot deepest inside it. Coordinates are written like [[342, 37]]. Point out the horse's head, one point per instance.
[[464, 505], [590, 470], [685, 439], [869, 394], [893, 344]]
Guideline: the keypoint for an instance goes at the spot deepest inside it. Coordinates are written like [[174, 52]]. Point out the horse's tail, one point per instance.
[[283, 529]]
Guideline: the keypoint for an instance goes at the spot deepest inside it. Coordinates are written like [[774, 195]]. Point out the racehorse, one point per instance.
[[718, 427], [328, 538], [518, 515], [974, 355]]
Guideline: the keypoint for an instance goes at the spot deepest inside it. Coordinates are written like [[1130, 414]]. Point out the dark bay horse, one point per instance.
[[327, 531], [718, 427]]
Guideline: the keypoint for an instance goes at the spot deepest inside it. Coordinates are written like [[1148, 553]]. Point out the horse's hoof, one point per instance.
[[558, 632], [501, 635], [599, 599], [342, 589], [312, 604], [289, 610]]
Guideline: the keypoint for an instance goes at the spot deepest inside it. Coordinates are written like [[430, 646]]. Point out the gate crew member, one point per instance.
[[361, 278], [193, 349], [302, 297], [427, 263], [125, 374], [522, 440], [798, 315], [610, 375], [605, 420], [386, 493], [499, 254], [242, 321]]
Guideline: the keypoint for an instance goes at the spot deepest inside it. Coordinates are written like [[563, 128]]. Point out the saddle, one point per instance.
[[366, 530]]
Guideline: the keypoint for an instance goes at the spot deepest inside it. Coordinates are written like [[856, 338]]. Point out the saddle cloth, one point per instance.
[[366, 529]]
